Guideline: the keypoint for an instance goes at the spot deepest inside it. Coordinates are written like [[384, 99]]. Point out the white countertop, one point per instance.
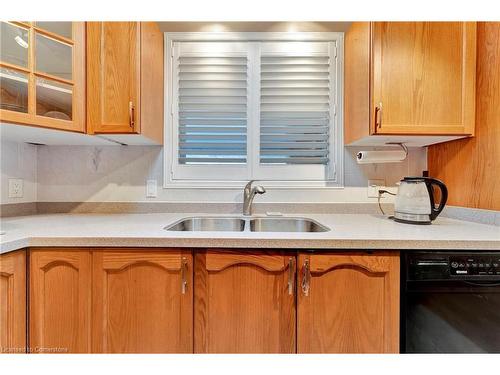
[[347, 231]]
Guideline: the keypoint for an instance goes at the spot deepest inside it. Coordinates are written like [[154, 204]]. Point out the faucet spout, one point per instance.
[[248, 196]]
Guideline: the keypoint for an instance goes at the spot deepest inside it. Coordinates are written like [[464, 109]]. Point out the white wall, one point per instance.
[[119, 173], [18, 160]]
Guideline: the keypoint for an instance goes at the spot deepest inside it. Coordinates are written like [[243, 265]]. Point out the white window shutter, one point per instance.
[[294, 103], [212, 108], [245, 108]]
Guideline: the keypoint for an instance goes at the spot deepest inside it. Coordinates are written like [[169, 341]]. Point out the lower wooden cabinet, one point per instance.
[[348, 303], [60, 301], [105, 301], [166, 301], [13, 302], [142, 301], [244, 302]]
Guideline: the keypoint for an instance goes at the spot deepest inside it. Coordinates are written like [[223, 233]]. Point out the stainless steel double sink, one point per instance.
[[252, 224]]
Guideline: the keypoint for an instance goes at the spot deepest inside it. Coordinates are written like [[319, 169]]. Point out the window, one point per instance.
[[262, 106]]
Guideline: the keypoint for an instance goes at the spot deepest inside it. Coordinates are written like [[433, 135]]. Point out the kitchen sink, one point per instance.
[[252, 224], [285, 224], [217, 224]]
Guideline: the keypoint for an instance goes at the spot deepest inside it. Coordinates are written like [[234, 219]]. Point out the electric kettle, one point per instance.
[[415, 200]]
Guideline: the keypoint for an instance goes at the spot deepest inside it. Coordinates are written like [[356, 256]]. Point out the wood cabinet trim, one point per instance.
[[45, 258], [378, 263], [469, 77], [13, 269], [151, 82], [219, 261], [357, 81], [120, 260]]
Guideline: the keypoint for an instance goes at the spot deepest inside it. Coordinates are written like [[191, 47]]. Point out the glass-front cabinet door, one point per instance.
[[42, 74]]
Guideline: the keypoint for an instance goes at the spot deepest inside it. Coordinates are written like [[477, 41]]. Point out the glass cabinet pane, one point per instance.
[[14, 43], [53, 57], [53, 99], [60, 28], [14, 90]]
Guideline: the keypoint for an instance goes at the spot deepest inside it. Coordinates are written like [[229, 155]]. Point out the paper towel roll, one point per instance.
[[368, 157]]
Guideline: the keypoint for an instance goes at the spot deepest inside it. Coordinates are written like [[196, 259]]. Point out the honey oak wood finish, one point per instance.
[[60, 300], [471, 167], [139, 302], [77, 124], [357, 82], [243, 303], [113, 76], [423, 73], [125, 79], [352, 303], [152, 82], [13, 302]]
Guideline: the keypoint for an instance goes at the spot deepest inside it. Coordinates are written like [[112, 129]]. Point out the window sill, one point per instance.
[[236, 185]]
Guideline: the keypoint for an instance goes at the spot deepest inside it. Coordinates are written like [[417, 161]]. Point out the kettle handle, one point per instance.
[[444, 196]]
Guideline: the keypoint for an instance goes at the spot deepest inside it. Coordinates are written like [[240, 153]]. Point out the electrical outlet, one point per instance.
[[151, 189], [15, 188], [374, 186]]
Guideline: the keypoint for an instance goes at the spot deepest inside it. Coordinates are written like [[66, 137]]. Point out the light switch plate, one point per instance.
[[151, 189], [374, 186], [15, 188]]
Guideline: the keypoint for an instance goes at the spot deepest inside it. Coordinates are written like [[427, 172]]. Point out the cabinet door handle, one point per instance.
[[131, 113], [291, 274], [378, 116], [306, 277], [184, 265]]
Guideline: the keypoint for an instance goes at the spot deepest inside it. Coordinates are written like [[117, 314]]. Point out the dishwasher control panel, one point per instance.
[[430, 265], [474, 265]]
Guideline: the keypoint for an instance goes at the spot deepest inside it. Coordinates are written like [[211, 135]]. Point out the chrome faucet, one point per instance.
[[248, 195]]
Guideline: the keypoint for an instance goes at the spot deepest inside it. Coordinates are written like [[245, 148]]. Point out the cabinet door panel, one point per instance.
[[423, 77], [13, 302], [244, 303], [140, 302], [60, 297], [113, 68], [349, 303], [48, 88]]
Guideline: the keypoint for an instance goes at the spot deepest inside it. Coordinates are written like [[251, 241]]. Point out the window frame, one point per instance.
[[335, 166]]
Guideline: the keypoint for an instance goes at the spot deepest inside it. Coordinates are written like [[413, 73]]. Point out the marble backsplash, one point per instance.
[[119, 174]]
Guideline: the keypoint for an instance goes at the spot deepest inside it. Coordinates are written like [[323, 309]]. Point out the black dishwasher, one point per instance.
[[450, 302]]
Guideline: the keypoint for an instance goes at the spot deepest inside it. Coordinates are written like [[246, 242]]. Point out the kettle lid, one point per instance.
[[413, 179]]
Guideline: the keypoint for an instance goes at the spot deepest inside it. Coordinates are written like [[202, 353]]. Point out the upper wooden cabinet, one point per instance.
[[348, 303], [125, 81], [244, 302], [42, 74], [142, 301], [410, 78], [13, 302]]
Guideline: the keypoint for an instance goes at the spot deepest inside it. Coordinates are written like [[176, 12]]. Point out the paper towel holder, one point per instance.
[[369, 157], [400, 144]]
